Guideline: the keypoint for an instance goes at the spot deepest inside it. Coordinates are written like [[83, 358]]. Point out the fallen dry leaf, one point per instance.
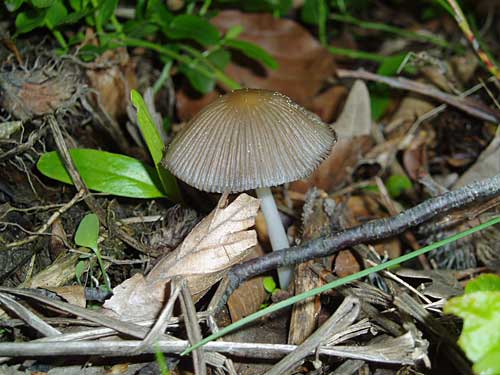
[[415, 158], [356, 117], [353, 128], [60, 272], [304, 64], [74, 294], [326, 104], [216, 243], [346, 264], [250, 295], [409, 110], [487, 165], [112, 77]]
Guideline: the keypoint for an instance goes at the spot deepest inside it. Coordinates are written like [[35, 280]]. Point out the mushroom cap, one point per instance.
[[248, 139]]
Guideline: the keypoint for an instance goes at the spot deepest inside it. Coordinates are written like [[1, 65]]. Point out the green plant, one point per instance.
[[119, 174], [270, 287], [162, 362], [188, 40], [479, 307], [87, 235], [397, 184]]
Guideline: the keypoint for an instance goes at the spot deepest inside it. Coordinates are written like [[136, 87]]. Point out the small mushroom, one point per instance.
[[251, 139]]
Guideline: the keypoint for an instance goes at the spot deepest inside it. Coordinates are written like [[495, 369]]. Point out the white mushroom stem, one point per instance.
[[277, 234]]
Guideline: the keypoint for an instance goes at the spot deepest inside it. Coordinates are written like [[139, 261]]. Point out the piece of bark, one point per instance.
[[305, 314]]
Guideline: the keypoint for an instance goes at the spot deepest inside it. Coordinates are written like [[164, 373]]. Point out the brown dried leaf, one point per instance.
[[58, 239], [356, 117], [304, 65], [353, 132], [215, 244], [409, 110], [112, 77], [61, 271], [326, 104], [488, 164], [74, 294], [415, 156], [346, 264], [250, 295]]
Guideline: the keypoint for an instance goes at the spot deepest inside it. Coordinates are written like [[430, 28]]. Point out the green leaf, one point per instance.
[[391, 65], [13, 5], [253, 51], [55, 15], [139, 29], [487, 282], [157, 12], [155, 146], [379, 93], [80, 268], [397, 184], [87, 233], [219, 58], [105, 11], [43, 3], [278, 7], [188, 26], [27, 21], [234, 31], [106, 172], [314, 12], [480, 338], [199, 81], [269, 284], [489, 364]]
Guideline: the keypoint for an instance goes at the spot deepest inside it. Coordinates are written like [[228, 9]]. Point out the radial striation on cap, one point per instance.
[[249, 139]]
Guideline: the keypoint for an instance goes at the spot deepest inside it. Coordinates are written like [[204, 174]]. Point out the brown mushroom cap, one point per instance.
[[249, 139]]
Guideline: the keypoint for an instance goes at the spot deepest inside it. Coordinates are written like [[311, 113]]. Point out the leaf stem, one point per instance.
[[216, 73]]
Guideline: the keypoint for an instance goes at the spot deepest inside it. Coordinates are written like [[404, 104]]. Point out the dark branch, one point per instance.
[[368, 232]]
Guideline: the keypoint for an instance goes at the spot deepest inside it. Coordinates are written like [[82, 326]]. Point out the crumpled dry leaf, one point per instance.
[[114, 81], [356, 117], [304, 64], [488, 164], [326, 104], [250, 295], [74, 294], [410, 108], [465, 65], [219, 241], [353, 132], [415, 158], [60, 272]]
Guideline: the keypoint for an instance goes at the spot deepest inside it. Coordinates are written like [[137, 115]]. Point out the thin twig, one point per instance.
[[468, 105], [367, 232], [49, 222]]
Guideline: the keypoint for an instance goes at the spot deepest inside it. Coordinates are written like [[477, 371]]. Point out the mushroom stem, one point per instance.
[[277, 234]]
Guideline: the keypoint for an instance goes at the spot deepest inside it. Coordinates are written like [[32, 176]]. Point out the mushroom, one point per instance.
[[251, 139]]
